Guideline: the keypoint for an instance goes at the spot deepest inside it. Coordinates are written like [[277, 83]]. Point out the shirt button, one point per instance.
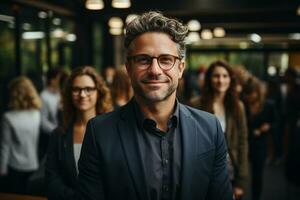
[[166, 161]]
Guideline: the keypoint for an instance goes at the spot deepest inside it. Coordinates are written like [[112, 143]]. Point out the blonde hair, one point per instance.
[[23, 95]]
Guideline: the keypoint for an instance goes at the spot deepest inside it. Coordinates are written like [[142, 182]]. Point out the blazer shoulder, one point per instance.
[[203, 119], [199, 114], [106, 119]]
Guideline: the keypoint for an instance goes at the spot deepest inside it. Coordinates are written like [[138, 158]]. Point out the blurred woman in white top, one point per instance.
[[20, 132]]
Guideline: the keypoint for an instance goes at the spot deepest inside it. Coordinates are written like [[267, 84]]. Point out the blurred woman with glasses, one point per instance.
[[20, 131], [219, 96], [85, 96]]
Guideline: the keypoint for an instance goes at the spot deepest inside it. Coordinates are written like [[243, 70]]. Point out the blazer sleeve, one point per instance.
[[91, 185], [56, 188], [220, 185]]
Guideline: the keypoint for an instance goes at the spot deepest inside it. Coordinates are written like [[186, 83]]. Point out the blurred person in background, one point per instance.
[[219, 96], [188, 88], [85, 96], [49, 112], [20, 132], [273, 93], [242, 76], [64, 76], [262, 118], [121, 89], [108, 75], [293, 119], [50, 97]]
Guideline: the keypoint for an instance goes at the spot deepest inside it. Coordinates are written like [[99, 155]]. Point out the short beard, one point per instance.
[[149, 98]]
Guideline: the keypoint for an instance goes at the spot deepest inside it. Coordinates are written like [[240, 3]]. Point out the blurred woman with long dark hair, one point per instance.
[[219, 96]]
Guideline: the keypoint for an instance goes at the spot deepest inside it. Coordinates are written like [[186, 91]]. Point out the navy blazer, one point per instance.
[[111, 167], [61, 175]]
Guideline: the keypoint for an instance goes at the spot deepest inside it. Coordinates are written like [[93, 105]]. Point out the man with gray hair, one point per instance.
[[154, 148]]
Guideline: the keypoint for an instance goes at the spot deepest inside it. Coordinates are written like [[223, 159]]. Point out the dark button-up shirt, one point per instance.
[[161, 155]]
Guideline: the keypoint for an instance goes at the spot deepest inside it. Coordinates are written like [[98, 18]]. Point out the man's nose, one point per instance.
[[154, 67]]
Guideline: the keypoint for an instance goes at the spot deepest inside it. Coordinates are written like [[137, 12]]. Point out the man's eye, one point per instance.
[[143, 59], [166, 60]]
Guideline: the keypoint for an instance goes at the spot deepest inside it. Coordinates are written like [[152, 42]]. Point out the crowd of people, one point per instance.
[[48, 132]]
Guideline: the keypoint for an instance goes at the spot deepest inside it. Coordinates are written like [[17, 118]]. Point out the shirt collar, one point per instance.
[[172, 122]]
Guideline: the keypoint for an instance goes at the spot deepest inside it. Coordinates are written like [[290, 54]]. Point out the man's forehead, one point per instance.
[[154, 41]]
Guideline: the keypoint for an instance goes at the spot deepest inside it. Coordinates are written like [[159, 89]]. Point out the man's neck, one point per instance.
[[159, 111]]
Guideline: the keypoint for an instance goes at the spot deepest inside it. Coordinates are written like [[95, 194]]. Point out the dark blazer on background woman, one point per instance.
[[61, 167]]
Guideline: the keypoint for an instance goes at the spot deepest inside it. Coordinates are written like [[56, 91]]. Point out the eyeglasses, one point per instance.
[[86, 90], [144, 61]]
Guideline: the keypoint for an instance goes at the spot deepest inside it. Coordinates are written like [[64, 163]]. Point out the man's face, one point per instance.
[[154, 84]]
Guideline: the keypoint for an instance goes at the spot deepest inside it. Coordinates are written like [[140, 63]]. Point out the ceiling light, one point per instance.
[[130, 17], [94, 4], [271, 70], [194, 25], [115, 22], [120, 3], [71, 37], [26, 26], [116, 31], [219, 32], [33, 35], [193, 37], [58, 33], [294, 36], [42, 15], [298, 10], [7, 18], [56, 21], [206, 34], [255, 37]]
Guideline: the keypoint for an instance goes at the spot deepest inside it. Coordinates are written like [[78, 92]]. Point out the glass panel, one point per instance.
[[198, 60], [253, 61], [33, 42], [7, 44], [98, 46], [279, 60], [62, 38], [7, 53]]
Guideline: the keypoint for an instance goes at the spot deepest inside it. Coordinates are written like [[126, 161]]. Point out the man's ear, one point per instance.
[[181, 68]]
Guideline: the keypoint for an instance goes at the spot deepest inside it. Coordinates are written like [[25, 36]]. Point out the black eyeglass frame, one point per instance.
[[129, 58], [86, 90]]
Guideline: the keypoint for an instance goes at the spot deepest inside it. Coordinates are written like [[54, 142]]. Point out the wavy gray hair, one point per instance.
[[155, 22]]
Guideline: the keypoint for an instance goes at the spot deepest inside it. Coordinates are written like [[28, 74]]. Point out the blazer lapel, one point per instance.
[[129, 139], [69, 154], [189, 150]]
